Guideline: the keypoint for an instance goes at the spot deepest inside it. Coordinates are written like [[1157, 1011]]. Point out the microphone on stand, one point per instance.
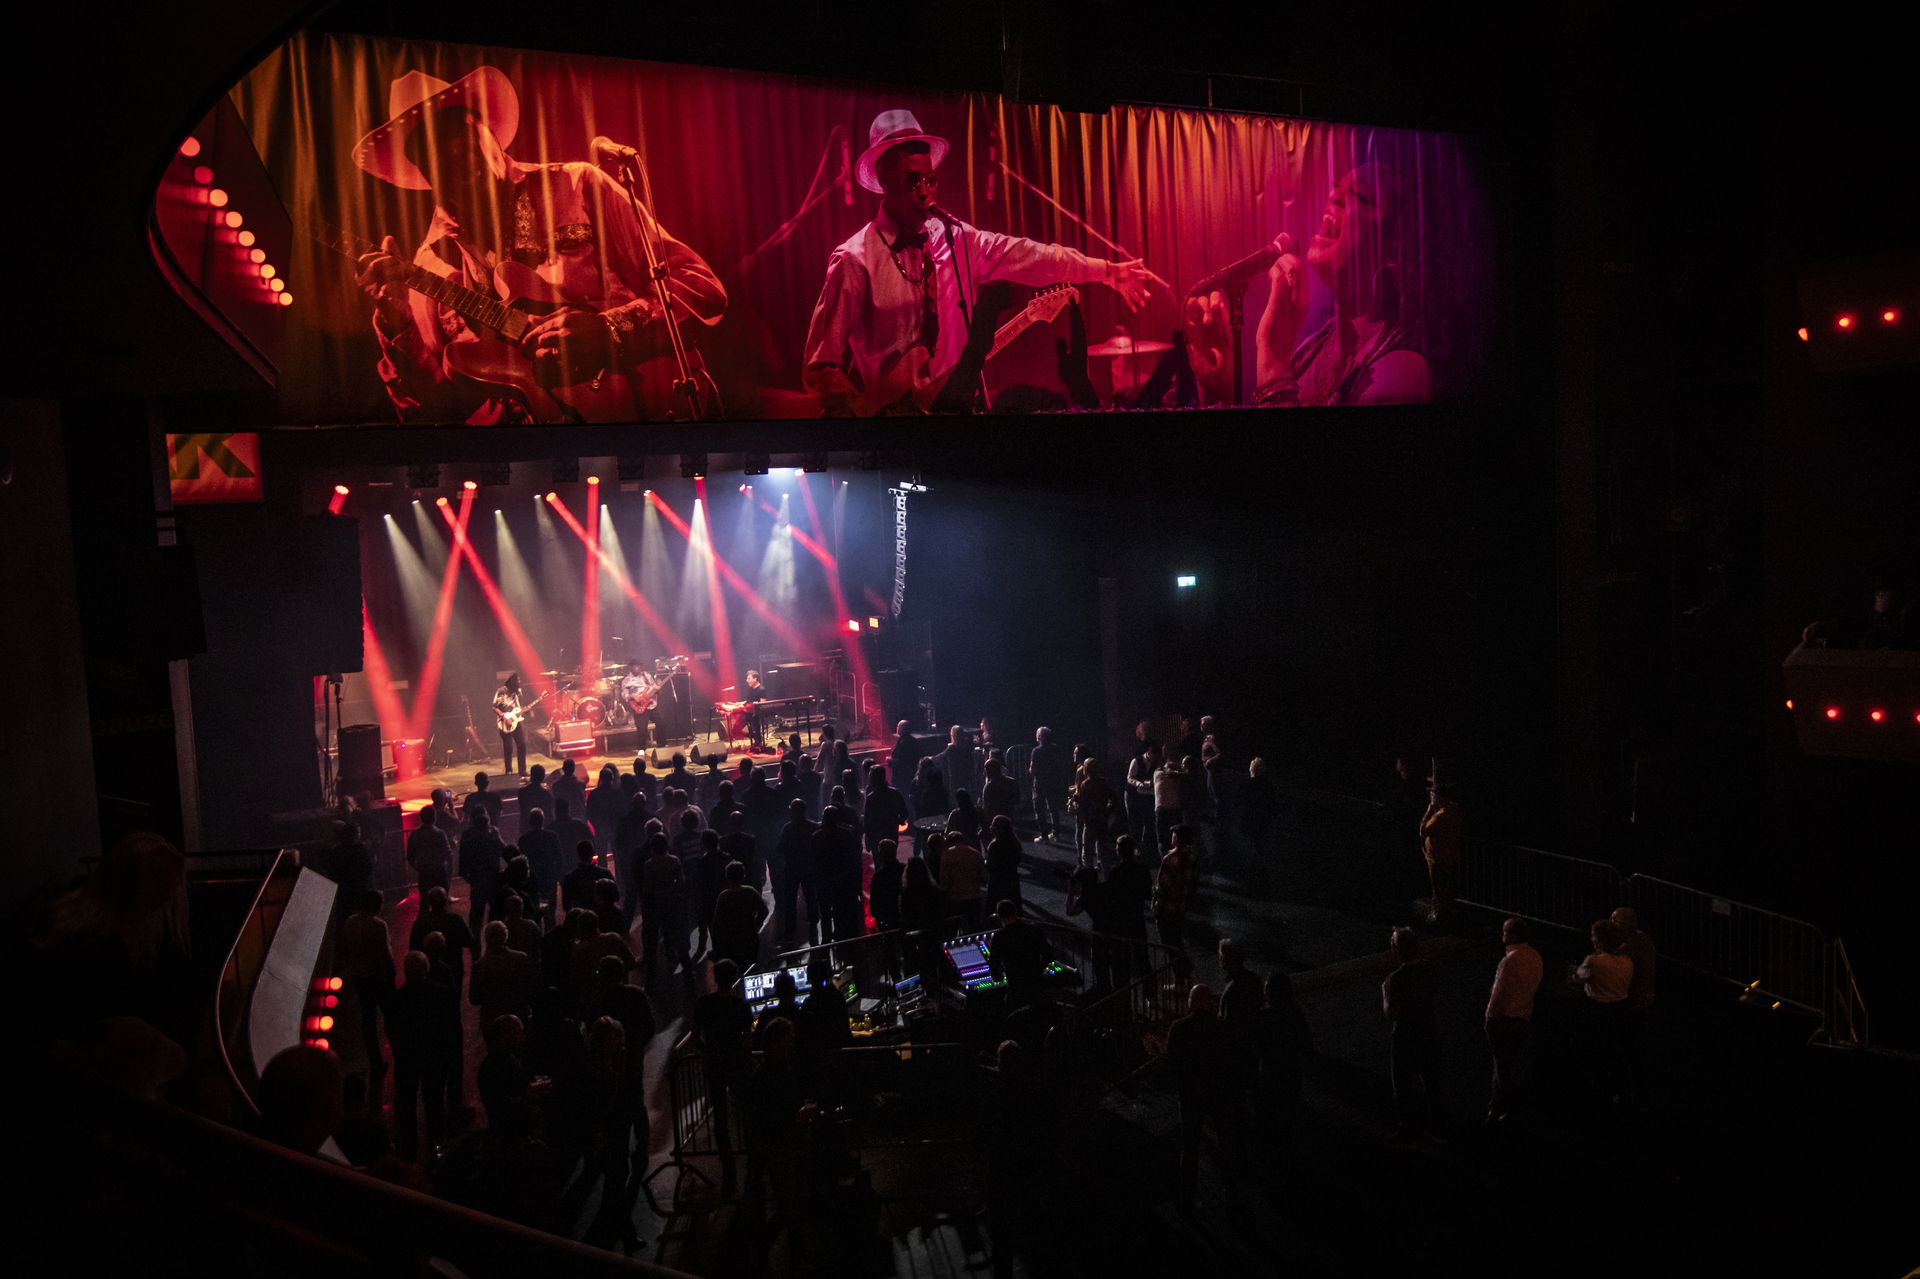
[[1238, 272], [942, 214], [610, 155]]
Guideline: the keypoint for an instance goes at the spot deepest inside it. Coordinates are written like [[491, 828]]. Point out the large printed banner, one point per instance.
[[502, 236]]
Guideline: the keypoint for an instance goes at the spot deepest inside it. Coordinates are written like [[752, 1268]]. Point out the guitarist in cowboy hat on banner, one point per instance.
[[564, 235], [895, 311]]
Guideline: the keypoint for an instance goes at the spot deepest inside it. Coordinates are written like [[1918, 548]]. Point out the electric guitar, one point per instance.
[[510, 720], [905, 388], [489, 350]]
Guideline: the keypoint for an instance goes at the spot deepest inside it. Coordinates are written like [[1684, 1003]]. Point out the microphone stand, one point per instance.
[[957, 244], [633, 169]]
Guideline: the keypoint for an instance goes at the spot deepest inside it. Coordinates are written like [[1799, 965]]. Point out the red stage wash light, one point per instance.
[[234, 219], [334, 983], [780, 626], [470, 486], [202, 174], [702, 675], [553, 497], [420, 721], [590, 597], [246, 239], [1876, 715], [1789, 703], [386, 702], [217, 198], [440, 501], [516, 635], [1845, 322], [1803, 336], [1833, 712], [1890, 316], [190, 148], [322, 1045], [338, 501]]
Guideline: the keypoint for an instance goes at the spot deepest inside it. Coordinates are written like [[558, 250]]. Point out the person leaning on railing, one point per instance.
[[1606, 975]]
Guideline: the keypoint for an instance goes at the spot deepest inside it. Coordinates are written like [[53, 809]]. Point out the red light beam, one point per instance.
[[429, 687], [530, 664]]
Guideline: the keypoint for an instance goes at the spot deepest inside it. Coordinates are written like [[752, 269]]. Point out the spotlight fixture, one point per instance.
[[338, 500], [496, 474], [470, 485], [566, 470], [813, 461], [423, 475], [693, 465], [632, 469], [756, 463]]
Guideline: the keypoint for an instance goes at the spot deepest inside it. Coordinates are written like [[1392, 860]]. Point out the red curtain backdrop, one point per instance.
[[736, 156]]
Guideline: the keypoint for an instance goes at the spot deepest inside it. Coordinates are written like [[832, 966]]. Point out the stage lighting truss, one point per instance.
[[813, 463], [566, 470], [756, 463], [423, 475], [496, 474], [693, 465]]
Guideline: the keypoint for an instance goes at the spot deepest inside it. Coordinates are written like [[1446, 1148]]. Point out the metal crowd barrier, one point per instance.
[[1534, 884], [1789, 959]]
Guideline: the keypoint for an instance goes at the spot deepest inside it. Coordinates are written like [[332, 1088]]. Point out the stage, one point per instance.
[[457, 776]]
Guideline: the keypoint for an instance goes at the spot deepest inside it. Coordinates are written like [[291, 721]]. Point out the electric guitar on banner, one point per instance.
[[905, 388], [489, 351]]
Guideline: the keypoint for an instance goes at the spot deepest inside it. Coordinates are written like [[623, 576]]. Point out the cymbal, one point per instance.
[[1128, 346], [555, 674]]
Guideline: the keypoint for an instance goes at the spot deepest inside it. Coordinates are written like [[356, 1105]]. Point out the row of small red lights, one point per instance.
[[1876, 714], [234, 221], [1848, 322], [326, 999]]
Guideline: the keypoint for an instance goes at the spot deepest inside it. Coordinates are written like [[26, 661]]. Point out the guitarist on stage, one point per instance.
[[908, 279], [567, 231], [511, 717]]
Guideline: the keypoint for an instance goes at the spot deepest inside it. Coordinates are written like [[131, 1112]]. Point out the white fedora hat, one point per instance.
[[890, 129]]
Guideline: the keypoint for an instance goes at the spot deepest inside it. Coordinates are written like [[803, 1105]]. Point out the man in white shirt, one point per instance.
[[1510, 1014], [909, 278]]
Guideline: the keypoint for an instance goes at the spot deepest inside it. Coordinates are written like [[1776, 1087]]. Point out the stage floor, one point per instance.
[[458, 775]]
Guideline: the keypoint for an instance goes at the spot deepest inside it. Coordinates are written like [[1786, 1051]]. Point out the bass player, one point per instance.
[[563, 234], [909, 279]]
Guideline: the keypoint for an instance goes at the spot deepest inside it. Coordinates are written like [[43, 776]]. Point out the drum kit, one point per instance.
[[610, 698]]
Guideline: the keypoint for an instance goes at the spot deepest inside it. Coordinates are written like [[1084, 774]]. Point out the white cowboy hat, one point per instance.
[[890, 129], [383, 153]]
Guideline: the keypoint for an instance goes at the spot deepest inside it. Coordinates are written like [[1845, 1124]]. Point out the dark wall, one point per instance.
[[49, 765]]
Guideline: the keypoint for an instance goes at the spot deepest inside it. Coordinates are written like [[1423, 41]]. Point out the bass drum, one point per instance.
[[591, 709]]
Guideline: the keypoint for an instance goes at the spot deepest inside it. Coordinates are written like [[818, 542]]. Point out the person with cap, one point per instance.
[[909, 278], [561, 233]]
